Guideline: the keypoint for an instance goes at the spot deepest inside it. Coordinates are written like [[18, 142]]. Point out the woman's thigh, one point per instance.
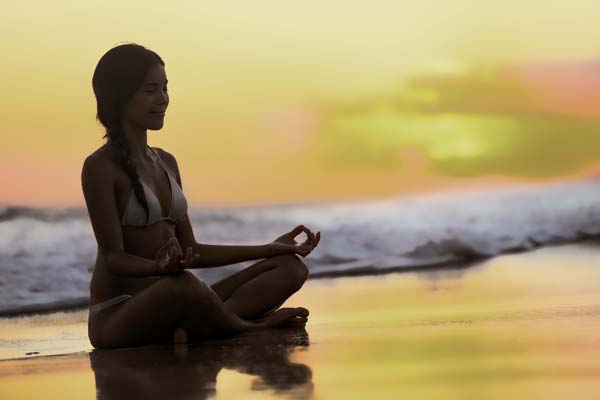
[[291, 263], [150, 316]]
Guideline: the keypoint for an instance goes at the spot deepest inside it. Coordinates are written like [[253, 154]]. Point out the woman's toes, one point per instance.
[[303, 312], [297, 321]]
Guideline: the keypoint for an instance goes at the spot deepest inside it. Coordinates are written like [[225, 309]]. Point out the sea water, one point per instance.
[[47, 254]]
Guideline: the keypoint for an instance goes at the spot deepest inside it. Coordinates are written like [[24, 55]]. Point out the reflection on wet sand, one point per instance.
[[190, 371], [523, 326]]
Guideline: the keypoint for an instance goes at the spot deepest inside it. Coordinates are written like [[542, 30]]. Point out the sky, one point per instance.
[[281, 102]]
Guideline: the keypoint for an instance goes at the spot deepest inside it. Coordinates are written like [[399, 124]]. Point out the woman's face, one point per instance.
[[147, 107]]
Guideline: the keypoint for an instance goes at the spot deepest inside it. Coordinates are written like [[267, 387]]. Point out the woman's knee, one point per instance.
[[185, 287], [295, 269]]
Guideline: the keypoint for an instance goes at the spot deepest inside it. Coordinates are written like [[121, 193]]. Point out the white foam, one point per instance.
[[46, 255]]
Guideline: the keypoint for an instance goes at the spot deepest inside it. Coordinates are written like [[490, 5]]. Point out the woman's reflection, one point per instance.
[[190, 371]]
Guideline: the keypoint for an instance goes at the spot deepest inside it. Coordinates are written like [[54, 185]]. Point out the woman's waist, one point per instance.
[[145, 242], [105, 286]]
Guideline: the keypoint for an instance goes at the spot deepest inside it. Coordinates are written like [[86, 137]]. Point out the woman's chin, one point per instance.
[[155, 126]]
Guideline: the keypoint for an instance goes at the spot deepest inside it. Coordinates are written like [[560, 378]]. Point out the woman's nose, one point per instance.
[[164, 97]]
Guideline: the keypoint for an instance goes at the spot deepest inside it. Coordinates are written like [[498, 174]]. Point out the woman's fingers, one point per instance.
[[313, 240], [189, 255], [171, 257], [176, 242], [195, 260], [310, 237], [296, 231], [190, 258], [166, 246], [186, 257], [304, 249]]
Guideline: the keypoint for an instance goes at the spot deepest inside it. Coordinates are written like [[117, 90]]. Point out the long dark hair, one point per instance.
[[117, 77]]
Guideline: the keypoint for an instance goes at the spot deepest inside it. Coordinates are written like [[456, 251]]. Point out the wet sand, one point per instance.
[[517, 326]]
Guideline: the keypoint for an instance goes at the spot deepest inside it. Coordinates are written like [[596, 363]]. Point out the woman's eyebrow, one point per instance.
[[156, 83]]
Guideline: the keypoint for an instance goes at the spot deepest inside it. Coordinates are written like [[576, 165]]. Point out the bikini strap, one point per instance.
[[161, 162]]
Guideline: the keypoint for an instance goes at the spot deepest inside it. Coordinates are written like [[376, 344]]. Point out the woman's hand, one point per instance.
[[168, 257], [190, 259], [286, 243]]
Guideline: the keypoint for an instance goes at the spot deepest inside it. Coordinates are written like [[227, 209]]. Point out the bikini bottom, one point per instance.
[[96, 308]]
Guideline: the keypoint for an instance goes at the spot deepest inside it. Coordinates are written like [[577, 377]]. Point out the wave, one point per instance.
[[9, 213], [47, 255]]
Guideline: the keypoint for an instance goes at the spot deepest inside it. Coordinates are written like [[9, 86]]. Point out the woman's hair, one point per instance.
[[117, 77]]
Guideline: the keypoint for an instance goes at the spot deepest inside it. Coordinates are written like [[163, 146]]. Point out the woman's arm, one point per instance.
[[97, 181], [214, 255], [125, 264]]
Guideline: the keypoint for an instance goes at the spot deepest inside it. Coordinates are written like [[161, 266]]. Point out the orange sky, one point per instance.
[[275, 102]]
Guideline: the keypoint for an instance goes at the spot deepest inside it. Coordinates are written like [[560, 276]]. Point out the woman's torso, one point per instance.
[[137, 240]]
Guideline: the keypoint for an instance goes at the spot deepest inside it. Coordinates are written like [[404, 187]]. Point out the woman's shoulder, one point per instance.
[[99, 159], [166, 157], [170, 161]]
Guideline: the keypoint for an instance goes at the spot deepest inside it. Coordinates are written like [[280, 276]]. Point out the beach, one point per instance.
[[515, 326], [445, 153]]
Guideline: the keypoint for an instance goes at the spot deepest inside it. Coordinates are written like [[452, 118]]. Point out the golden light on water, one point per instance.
[[517, 326], [289, 102]]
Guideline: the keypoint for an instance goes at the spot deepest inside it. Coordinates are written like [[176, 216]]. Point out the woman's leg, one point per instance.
[[175, 300], [262, 287]]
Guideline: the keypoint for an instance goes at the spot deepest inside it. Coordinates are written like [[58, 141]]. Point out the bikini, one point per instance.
[[135, 215]]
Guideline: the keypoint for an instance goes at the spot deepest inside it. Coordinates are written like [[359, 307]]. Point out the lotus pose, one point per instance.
[[140, 291]]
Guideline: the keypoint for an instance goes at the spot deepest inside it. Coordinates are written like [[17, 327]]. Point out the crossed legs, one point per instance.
[[184, 301], [262, 287], [258, 290]]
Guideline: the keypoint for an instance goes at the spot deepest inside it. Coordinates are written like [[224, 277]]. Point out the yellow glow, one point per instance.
[[60, 385], [232, 68], [519, 326]]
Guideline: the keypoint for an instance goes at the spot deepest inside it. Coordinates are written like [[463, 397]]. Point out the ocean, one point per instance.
[[47, 254]]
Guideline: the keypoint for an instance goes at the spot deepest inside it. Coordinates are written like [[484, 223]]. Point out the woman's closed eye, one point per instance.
[[152, 91]]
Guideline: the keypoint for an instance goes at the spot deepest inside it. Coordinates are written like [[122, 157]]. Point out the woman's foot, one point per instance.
[[180, 336], [286, 318]]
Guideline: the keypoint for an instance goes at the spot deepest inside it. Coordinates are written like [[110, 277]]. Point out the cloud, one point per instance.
[[536, 120], [563, 89]]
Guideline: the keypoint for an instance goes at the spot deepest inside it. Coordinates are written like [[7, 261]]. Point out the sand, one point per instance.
[[517, 326]]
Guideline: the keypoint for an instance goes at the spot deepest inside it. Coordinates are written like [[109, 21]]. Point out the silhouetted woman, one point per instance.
[[140, 292]]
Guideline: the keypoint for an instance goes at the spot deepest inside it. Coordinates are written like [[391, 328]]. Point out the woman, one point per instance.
[[140, 291]]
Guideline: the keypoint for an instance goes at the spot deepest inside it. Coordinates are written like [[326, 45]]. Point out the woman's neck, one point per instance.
[[138, 142]]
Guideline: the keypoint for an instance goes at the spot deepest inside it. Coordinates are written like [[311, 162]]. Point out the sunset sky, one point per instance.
[[275, 101]]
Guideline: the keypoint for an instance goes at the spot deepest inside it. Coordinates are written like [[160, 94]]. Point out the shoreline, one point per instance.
[[82, 303], [77, 310]]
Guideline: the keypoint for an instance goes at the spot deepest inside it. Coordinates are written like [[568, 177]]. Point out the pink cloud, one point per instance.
[[292, 125], [568, 88]]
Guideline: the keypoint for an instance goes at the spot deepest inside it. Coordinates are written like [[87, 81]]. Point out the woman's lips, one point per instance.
[[161, 114]]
